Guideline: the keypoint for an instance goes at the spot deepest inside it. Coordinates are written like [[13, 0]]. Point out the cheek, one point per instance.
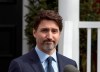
[[57, 37], [40, 39], [40, 36]]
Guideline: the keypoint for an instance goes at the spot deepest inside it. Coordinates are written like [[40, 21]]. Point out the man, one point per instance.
[[46, 29]]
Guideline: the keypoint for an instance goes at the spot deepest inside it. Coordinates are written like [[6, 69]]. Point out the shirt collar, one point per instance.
[[43, 56]]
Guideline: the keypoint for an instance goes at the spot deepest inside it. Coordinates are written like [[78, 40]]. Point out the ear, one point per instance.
[[34, 33]]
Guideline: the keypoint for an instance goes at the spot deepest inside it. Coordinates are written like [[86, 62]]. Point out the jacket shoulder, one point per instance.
[[67, 60]]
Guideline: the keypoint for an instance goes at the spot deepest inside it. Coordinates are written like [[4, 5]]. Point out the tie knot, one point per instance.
[[49, 59]]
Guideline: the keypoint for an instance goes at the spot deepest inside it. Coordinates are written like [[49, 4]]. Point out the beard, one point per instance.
[[49, 45]]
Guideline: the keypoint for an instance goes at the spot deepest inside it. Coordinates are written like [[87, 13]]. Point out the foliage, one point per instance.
[[90, 10], [33, 7]]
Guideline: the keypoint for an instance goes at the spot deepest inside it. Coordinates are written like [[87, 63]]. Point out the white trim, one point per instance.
[[88, 50], [89, 24], [98, 51]]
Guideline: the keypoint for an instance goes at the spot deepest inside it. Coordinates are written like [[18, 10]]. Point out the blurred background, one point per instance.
[[16, 19]]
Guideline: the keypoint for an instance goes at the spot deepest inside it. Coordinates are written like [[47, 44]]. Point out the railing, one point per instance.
[[89, 26]]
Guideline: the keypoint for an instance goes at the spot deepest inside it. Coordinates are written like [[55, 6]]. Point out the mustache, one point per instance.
[[48, 40]]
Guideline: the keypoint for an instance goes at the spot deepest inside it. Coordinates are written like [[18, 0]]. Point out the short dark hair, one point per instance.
[[48, 15]]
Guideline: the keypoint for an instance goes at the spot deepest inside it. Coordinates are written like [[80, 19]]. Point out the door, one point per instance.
[[10, 32]]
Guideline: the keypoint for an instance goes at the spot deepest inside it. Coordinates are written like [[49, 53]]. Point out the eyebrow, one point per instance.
[[48, 28]]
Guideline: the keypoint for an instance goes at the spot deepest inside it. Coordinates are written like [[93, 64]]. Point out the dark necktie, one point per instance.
[[49, 67]]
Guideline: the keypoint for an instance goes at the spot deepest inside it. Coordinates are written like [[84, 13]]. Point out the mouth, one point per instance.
[[48, 42]]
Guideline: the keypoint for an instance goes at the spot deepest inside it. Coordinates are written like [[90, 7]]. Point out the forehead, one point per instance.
[[48, 24]]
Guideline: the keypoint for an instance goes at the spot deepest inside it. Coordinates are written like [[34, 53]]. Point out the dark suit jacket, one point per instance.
[[30, 62]]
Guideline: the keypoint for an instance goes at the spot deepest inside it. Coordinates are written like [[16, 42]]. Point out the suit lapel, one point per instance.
[[36, 63]]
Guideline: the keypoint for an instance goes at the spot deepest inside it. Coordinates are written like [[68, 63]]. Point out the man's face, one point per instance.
[[47, 35]]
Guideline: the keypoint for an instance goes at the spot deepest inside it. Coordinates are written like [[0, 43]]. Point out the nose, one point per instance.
[[49, 35]]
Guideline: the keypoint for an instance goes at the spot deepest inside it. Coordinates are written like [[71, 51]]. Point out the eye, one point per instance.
[[44, 30], [55, 30]]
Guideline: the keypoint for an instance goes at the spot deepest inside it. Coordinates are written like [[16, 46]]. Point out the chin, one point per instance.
[[50, 49]]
